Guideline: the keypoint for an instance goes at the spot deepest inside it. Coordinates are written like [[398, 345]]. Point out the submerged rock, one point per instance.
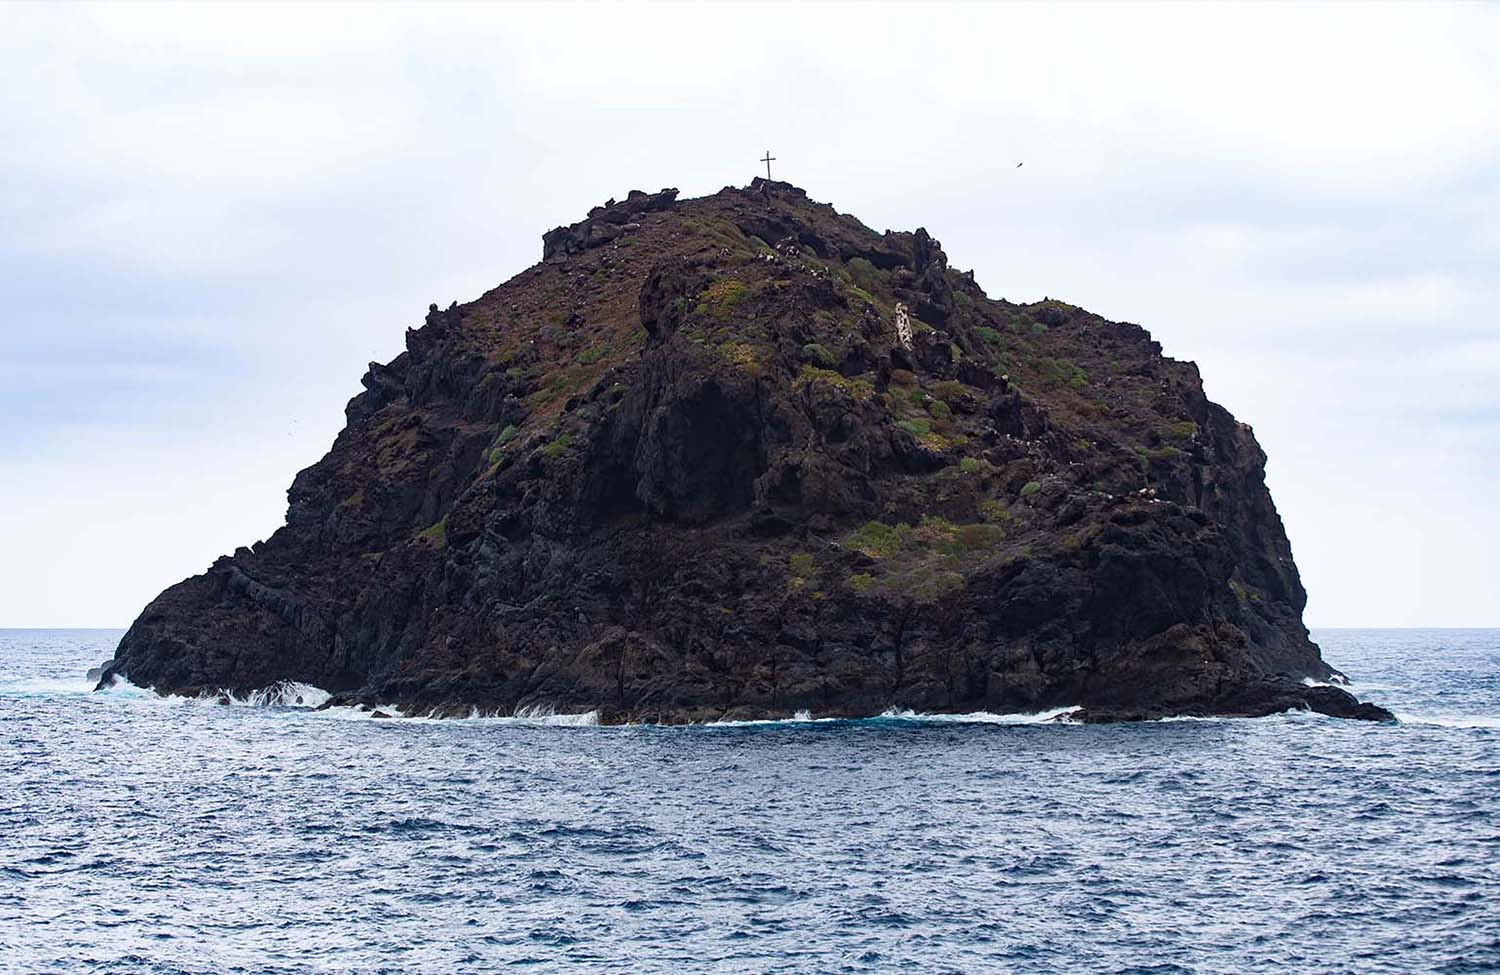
[[742, 456]]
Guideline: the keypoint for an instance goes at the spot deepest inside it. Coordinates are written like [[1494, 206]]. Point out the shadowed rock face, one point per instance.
[[683, 470]]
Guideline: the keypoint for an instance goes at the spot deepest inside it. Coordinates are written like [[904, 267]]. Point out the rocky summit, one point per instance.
[[743, 457]]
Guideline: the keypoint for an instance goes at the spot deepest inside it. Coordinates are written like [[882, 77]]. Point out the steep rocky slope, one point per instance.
[[742, 456]]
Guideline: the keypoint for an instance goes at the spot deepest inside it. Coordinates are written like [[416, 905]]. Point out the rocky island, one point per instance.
[[741, 457]]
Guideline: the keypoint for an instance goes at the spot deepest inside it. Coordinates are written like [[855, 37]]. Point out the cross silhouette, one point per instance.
[[768, 160]]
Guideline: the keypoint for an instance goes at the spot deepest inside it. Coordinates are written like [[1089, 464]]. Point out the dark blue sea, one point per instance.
[[147, 835]]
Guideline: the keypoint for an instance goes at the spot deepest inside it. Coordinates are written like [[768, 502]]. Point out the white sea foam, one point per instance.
[[526, 716], [286, 694], [532, 714], [1451, 720], [1358, 688], [1054, 716], [798, 717], [120, 686], [45, 686]]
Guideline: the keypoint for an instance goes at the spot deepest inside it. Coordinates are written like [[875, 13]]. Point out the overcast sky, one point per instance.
[[214, 217]]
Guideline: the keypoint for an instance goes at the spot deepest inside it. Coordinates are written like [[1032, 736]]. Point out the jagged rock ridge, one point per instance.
[[685, 469]]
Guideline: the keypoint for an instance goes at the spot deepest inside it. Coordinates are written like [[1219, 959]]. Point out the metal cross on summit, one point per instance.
[[768, 160]]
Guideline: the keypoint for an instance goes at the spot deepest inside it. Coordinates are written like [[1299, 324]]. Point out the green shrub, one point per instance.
[[929, 587], [814, 352], [1063, 373], [940, 410], [949, 391], [861, 582], [720, 298], [1183, 430], [1030, 488], [969, 465], [557, 446], [858, 386], [988, 334], [504, 437], [996, 511], [917, 428], [800, 565], [876, 539], [863, 274]]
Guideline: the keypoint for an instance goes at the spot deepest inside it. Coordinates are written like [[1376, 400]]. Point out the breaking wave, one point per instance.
[[284, 694], [525, 716], [1054, 716]]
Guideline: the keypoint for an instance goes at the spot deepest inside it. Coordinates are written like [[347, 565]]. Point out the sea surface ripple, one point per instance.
[[164, 836]]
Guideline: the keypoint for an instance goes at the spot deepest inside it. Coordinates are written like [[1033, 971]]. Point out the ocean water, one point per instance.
[[147, 835]]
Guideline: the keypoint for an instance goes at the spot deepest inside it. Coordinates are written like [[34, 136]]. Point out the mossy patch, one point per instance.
[[925, 561], [721, 298], [817, 354], [436, 534], [950, 391], [590, 356], [1062, 372], [1181, 430], [858, 387], [876, 539], [749, 359], [995, 511]]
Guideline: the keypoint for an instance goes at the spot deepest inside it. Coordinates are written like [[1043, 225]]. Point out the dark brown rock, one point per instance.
[[684, 469]]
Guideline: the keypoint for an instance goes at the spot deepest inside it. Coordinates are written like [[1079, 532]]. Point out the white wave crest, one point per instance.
[[120, 686], [540, 715], [1054, 716], [285, 694], [527, 716], [1451, 720]]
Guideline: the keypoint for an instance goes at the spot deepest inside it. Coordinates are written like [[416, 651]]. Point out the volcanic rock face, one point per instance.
[[684, 469]]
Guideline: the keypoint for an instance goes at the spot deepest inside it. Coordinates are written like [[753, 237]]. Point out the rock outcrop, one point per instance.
[[686, 469]]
